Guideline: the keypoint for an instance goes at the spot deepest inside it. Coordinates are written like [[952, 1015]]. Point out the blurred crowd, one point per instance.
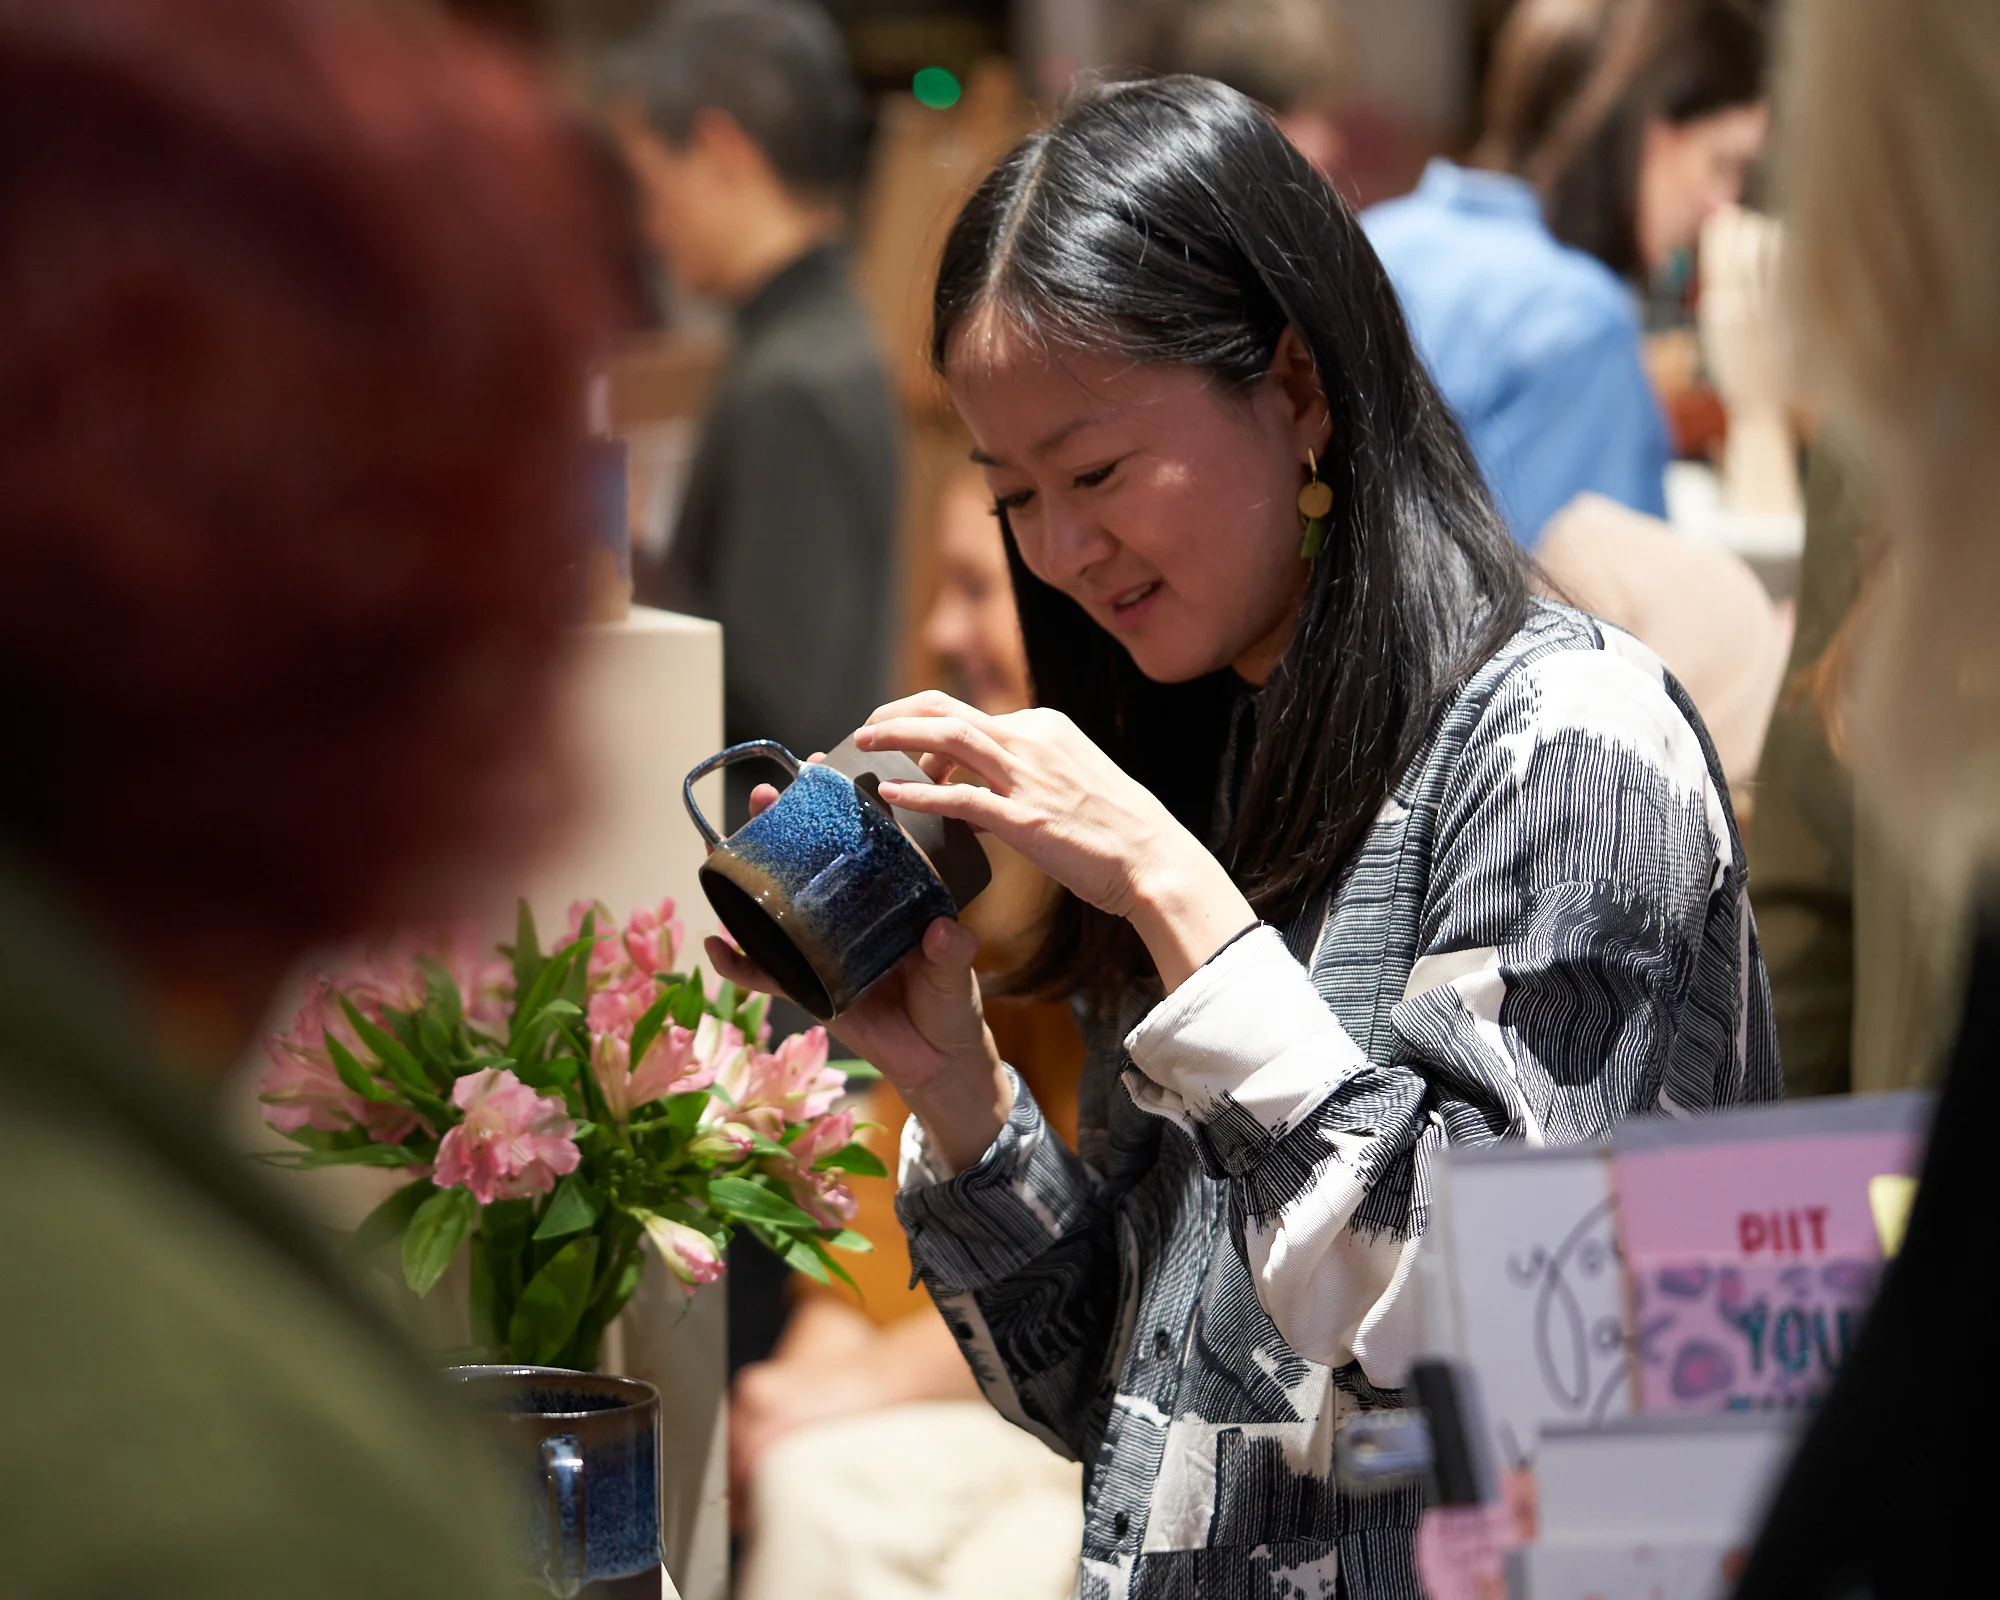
[[302, 300]]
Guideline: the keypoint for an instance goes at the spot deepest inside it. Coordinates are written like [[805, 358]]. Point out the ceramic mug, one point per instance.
[[580, 1461], [830, 887]]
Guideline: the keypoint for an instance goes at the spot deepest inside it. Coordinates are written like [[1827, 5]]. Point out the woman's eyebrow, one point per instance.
[[1042, 447]]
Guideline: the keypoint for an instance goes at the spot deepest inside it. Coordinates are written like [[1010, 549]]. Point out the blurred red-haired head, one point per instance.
[[296, 304]]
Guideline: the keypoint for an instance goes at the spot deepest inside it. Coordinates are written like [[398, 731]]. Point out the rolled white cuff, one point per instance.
[[1251, 1028]]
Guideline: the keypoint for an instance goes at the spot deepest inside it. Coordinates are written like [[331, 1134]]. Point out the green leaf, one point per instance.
[[688, 1005], [857, 1071], [389, 1050], [727, 998], [553, 1303], [483, 1305], [388, 1220], [753, 1202], [361, 1155], [801, 1258], [848, 1239], [327, 1139], [528, 1006], [750, 1015], [442, 1001], [525, 952], [435, 1232], [648, 1027], [573, 1207], [856, 1158], [810, 1257], [684, 1114], [576, 982], [354, 1075], [438, 1054]]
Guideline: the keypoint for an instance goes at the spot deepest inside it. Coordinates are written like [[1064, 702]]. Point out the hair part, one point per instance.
[[1170, 223], [778, 68], [1575, 83]]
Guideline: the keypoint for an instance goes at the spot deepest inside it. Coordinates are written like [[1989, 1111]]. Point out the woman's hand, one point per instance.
[[1065, 805], [922, 1027]]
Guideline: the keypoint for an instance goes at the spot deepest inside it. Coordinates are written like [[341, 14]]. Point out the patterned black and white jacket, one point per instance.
[[1545, 931]]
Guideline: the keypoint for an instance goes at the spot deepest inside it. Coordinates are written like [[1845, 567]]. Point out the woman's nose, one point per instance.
[[1073, 541]]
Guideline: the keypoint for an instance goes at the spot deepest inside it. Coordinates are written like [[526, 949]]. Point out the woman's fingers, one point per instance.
[[929, 703], [982, 808], [762, 798], [967, 745], [731, 963]]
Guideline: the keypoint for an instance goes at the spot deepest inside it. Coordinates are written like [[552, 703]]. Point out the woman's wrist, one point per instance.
[[963, 1107], [1185, 912]]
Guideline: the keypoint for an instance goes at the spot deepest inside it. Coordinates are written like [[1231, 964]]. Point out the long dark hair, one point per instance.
[[1575, 83], [1170, 223]]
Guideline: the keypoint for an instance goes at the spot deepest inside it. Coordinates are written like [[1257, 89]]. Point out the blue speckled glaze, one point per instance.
[[613, 1426], [849, 888]]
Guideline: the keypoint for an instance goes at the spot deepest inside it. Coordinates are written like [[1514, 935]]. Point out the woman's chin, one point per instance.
[[1171, 661]]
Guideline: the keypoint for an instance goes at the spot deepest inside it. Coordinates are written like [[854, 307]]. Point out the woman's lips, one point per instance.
[[1129, 608]]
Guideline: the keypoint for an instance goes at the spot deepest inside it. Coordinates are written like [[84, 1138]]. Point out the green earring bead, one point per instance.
[[1315, 505]]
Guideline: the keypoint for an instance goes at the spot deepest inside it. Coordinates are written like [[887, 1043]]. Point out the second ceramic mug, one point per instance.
[[579, 1453], [830, 887]]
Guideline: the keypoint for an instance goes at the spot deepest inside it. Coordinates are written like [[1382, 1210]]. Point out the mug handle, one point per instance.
[[770, 749], [569, 1552]]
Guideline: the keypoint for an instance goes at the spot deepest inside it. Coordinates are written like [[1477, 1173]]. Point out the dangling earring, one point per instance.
[[1315, 506]]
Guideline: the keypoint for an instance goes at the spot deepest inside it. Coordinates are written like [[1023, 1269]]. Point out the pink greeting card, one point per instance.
[[1752, 1248]]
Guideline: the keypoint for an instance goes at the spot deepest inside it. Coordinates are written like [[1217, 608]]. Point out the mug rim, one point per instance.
[[634, 1393]]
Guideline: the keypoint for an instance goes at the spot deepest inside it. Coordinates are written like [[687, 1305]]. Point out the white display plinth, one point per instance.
[[646, 705], [643, 705]]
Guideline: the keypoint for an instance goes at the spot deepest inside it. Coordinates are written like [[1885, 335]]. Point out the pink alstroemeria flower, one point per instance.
[[824, 1194], [513, 1142], [302, 1088], [647, 944], [794, 1081], [689, 1253], [653, 939], [677, 1062]]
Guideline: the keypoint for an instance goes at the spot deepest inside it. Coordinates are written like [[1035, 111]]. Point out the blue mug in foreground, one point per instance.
[[830, 887], [579, 1457]]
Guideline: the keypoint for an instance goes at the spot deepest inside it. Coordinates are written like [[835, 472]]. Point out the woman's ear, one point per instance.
[[1298, 390]]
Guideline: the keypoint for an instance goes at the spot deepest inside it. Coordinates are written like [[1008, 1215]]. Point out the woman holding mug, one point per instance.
[[1366, 852]]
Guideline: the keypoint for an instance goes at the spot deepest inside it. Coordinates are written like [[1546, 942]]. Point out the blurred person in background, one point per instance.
[[744, 123], [866, 1464], [1867, 958], [296, 305], [1292, 57], [1892, 132], [1613, 129]]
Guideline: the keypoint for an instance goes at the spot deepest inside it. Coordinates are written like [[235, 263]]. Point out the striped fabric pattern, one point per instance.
[[1545, 931]]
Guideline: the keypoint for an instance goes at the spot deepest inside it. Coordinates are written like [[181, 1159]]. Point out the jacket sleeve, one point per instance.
[[1584, 955], [1019, 1251]]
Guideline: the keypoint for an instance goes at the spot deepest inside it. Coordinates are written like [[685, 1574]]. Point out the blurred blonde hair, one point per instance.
[[1289, 55], [1892, 130]]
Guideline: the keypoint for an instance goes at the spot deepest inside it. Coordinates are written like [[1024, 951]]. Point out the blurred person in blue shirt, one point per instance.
[[1613, 129]]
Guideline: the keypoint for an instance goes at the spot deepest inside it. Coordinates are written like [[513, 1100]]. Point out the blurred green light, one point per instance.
[[936, 88]]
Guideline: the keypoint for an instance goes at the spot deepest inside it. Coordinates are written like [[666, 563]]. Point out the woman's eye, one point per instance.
[[1092, 478], [1005, 503]]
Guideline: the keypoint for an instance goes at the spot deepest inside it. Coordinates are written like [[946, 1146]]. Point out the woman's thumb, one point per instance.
[[948, 951]]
